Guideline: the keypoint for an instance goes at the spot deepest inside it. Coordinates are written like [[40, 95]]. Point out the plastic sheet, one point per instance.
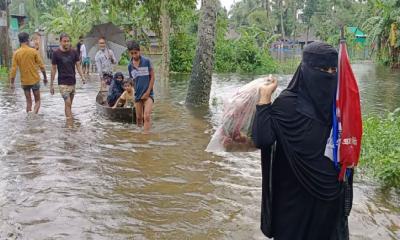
[[234, 133]]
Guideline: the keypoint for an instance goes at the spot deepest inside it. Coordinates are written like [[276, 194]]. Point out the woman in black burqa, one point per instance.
[[302, 197]]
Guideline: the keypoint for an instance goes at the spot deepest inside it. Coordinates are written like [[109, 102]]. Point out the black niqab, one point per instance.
[[316, 89], [116, 89]]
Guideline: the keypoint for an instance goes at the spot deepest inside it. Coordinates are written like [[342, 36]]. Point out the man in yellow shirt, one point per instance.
[[28, 60]]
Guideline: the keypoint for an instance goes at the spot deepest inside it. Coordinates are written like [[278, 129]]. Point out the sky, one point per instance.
[[225, 3]]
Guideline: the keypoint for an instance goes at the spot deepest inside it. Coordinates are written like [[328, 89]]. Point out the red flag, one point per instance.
[[348, 113]]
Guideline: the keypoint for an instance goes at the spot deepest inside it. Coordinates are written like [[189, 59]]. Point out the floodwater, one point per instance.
[[99, 179]]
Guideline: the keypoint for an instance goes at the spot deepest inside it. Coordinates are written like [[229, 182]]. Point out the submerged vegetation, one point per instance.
[[380, 155]]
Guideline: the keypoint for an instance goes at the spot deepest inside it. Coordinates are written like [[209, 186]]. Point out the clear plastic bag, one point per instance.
[[234, 133]]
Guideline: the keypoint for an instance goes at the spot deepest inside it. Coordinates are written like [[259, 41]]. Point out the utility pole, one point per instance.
[[4, 32]]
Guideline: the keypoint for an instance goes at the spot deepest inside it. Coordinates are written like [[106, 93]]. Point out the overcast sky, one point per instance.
[[225, 3]]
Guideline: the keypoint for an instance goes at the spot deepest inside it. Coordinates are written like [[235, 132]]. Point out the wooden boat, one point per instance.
[[115, 114]]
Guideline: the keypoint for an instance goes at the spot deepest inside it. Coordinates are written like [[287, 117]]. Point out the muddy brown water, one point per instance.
[[99, 179]]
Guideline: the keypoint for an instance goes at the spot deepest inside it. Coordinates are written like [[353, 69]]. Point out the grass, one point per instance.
[[3, 71], [380, 154], [289, 66]]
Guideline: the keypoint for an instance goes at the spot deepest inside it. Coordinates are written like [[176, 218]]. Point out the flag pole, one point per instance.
[[342, 33]]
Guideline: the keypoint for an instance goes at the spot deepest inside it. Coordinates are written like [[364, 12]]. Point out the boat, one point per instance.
[[120, 114]]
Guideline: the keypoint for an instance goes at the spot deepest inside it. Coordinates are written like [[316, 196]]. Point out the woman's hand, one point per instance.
[[267, 89]]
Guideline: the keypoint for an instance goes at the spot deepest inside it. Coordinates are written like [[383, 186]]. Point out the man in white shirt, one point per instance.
[[105, 59], [85, 58]]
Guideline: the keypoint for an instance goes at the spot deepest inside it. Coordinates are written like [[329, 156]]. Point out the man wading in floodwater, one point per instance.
[[141, 71], [28, 60], [104, 59], [65, 60]]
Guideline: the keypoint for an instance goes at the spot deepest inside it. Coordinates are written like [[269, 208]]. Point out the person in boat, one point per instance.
[[127, 99], [302, 198], [116, 89], [141, 70], [107, 78]]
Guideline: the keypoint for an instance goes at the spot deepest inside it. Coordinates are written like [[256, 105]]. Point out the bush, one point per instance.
[[380, 154], [243, 55], [182, 50], [225, 57], [125, 58], [3, 71]]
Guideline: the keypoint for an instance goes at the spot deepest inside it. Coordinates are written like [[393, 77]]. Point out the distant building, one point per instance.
[[303, 39], [151, 42], [17, 21], [154, 45], [360, 36]]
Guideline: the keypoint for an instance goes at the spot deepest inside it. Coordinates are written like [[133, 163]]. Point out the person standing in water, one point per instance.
[[28, 59], [302, 197], [141, 71], [104, 59], [85, 59], [65, 60]]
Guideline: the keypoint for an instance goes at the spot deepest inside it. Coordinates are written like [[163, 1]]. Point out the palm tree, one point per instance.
[[200, 81]]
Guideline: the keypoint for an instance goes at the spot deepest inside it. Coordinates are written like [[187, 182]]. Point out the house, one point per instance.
[[154, 45], [18, 19], [305, 38], [150, 41], [360, 37]]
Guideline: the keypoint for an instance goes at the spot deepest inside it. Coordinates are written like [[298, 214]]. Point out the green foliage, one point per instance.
[[311, 7], [243, 55], [380, 153], [247, 54], [3, 71], [378, 25], [225, 56], [177, 9], [125, 58], [72, 19], [183, 47], [34, 9], [261, 20]]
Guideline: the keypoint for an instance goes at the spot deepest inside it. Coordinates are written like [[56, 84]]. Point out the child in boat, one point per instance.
[[116, 89], [127, 99]]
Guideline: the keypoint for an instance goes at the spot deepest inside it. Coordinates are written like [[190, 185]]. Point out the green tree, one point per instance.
[[72, 19], [385, 21]]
